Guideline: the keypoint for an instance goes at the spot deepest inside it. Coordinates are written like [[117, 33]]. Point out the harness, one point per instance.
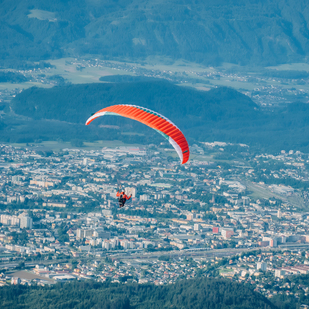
[[121, 199]]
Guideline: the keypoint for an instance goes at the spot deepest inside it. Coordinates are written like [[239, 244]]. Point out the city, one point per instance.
[[104, 214], [228, 212]]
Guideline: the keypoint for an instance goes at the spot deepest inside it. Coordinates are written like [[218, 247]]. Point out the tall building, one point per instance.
[[79, 234], [262, 266], [106, 245], [279, 214], [144, 197], [83, 233], [25, 222], [273, 242], [246, 200], [10, 220], [227, 233], [124, 244], [283, 239], [15, 281]]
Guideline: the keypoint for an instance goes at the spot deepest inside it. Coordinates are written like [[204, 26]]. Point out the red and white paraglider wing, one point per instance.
[[152, 119]]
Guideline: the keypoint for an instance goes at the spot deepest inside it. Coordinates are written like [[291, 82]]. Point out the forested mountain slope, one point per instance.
[[220, 114], [188, 294], [258, 32]]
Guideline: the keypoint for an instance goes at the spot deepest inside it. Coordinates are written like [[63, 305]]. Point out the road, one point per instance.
[[206, 253], [203, 253]]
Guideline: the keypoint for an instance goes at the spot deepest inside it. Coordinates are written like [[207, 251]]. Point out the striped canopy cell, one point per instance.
[[152, 119]]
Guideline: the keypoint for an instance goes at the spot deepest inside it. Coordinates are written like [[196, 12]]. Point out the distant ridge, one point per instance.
[[260, 32], [72, 102], [219, 114]]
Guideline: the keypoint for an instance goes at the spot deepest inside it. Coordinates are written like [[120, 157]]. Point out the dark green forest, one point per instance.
[[221, 114], [259, 32], [203, 293], [286, 301], [11, 77]]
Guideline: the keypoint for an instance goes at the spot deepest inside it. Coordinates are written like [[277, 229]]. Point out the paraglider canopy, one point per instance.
[[152, 119]]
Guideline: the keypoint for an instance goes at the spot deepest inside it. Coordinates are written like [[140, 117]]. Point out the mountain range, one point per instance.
[[257, 32]]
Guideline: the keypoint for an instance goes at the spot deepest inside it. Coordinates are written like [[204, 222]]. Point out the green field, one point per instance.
[[68, 69], [199, 157], [25, 85], [259, 191], [92, 74], [86, 75], [291, 66], [225, 270]]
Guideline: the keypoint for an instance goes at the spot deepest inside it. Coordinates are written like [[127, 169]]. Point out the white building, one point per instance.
[[196, 226], [83, 233], [279, 214], [106, 245], [124, 244], [10, 220], [227, 233], [131, 190], [144, 197], [26, 222], [15, 281], [283, 239], [279, 273], [262, 266]]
